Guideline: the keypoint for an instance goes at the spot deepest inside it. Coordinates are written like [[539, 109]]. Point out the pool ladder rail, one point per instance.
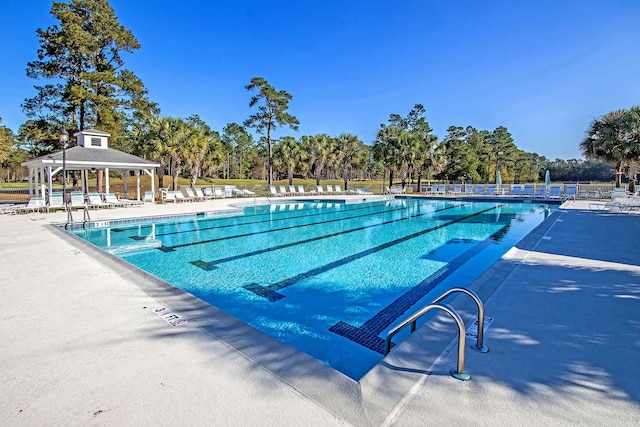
[[86, 221], [459, 372]]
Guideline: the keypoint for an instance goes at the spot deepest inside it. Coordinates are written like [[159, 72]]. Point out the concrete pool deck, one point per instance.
[[82, 345]]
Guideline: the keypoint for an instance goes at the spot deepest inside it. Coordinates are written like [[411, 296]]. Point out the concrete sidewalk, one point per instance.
[[83, 346]]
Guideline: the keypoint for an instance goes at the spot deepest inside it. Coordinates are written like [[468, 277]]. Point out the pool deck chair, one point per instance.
[[273, 191], [112, 201], [96, 202], [56, 202], [319, 189], [528, 191], [283, 190], [479, 190], [491, 190], [554, 192], [337, 189], [302, 191], [168, 196], [570, 192], [329, 189], [35, 204], [218, 193], [181, 198], [77, 200], [516, 190], [293, 191], [190, 194], [457, 190], [199, 193], [148, 197], [468, 190]]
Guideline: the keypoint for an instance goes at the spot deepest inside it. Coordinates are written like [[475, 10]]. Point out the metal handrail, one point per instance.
[[459, 372], [479, 345]]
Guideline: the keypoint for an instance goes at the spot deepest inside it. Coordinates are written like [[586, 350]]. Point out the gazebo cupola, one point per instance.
[[92, 138]]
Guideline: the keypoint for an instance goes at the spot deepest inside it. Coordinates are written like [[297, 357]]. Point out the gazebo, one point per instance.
[[91, 153]]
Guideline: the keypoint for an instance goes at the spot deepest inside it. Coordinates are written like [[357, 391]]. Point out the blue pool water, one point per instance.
[[329, 279]]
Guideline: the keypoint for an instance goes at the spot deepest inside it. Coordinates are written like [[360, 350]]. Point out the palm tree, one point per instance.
[[351, 152], [287, 155], [604, 140], [320, 150]]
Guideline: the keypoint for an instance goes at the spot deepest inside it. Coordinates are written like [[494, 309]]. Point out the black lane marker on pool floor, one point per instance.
[[211, 265], [270, 219], [271, 293], [256, 233], [367, 334]]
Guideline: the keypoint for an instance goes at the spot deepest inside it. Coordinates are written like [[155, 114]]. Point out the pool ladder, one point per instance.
[[85, 222], [412, 320]]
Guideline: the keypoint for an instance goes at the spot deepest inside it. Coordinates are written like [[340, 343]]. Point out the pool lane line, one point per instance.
[[211, 265], [266, 220], [256, 233], [367, 335], [270, 292]]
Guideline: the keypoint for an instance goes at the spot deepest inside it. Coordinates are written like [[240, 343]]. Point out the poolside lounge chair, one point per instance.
[[541, 192], [479, 190], [457, 190], [364, 191], [319, 189], [95, 201], [570, 192], [112, 201], [148, 197], [292, 190], [35, 204], [200, 194], [554, 192], [302, 191], [218, 193], [7, 209], [190, 194], [56, 201], [283, 190], [169, 196], [329, 189], [273, 191], [491, 190], [338, 189], [528, 190], [77, 200], [468, 190], [516, 190]]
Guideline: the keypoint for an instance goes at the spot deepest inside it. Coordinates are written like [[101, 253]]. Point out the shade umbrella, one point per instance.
[[498, 178], [547, 178]]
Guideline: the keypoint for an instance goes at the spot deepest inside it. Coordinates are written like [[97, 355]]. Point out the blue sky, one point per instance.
[[543, 69]]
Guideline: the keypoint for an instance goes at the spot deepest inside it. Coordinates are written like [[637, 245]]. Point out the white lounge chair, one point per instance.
[[35, 204], [319, 189], [468, 190], [77, 200], [190, 194], [111, 200], [200, 194], [218, 193], [148, 197], [56, 201], [273, 191], [329, 189], [301, 191], [95, 201], [283, 190]]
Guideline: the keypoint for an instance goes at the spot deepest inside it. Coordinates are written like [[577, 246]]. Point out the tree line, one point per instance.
[[87, 86]]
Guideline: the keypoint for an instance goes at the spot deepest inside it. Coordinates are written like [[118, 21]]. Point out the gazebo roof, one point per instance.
[[88, 158]]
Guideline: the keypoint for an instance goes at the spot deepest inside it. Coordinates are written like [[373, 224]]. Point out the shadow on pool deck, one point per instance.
[[84, 346]]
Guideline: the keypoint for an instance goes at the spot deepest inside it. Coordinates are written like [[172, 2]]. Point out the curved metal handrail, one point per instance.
[[459, 372], [479, 346]]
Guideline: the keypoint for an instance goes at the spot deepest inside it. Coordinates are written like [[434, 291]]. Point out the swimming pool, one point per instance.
[[327, 278]]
